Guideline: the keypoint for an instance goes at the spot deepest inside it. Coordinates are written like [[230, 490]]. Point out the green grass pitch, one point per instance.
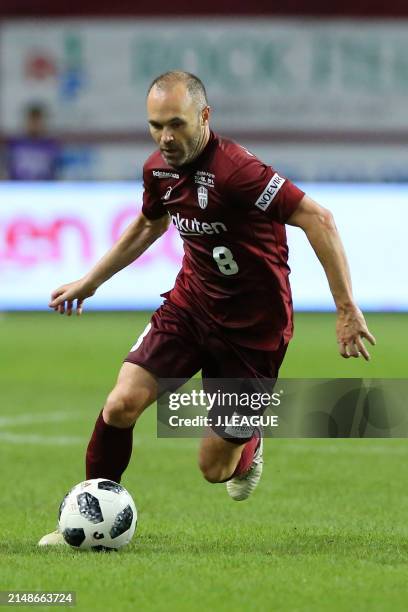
[[326, 529]]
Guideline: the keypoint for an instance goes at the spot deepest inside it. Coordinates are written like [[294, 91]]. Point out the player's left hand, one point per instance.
[[351, 328]]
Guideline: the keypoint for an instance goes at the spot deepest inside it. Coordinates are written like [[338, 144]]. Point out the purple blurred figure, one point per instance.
[[33, 156]]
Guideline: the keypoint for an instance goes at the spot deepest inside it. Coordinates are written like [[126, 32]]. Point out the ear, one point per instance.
[[205, 115]]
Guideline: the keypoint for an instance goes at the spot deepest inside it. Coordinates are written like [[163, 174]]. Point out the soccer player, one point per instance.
[[230, 311]]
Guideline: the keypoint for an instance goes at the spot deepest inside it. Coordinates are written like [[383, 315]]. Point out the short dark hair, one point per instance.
[[35, 109], [194, 85]]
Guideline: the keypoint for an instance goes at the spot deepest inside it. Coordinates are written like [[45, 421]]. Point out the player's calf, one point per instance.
[[110, 447], [218, 458], [215, 473]]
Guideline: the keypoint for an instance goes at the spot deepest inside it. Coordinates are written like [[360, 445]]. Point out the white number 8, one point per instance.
[[225, 261]]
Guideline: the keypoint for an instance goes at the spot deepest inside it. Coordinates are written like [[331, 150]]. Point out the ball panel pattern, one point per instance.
[[89, 507], [122, 522], [62, 505], [110, 485], [74, 537]]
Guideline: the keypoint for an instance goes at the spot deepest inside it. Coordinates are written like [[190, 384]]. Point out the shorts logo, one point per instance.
[[202, 193], [269, 192]]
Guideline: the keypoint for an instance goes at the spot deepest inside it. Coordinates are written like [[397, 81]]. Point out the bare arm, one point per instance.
[[320, 229], [134, 241]]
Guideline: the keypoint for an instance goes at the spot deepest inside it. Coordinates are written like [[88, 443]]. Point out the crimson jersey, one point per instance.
[[230, 210]]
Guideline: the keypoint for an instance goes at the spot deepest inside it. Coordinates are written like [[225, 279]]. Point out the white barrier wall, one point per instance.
[[52, 233], [320, 99], [261, 74], [308, 161]]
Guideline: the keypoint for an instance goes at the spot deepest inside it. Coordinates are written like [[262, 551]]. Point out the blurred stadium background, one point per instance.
[[319, 92]]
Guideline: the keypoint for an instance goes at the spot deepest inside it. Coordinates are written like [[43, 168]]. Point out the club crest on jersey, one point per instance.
[[202, 193]]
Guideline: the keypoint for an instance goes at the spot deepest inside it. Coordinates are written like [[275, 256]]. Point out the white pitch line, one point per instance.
[[338, 447], [151, 442], [18, 420], [32, 418], [342, 449], [39, 439]]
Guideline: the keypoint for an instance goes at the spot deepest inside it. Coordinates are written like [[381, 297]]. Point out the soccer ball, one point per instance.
[[97, 514]]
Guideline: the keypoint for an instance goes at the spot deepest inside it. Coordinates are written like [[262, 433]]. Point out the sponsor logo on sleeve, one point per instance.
[[161, 174], [270, 192]]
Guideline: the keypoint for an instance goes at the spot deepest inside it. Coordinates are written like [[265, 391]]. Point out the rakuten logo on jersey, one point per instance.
[[194, 227], [269, 192]]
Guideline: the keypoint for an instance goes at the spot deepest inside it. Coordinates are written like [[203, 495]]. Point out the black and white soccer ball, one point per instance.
[[97, 514]]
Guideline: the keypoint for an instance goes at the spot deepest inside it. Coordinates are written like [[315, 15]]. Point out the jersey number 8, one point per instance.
[[225, 261]]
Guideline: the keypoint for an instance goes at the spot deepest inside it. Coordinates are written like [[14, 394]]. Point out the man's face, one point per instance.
[[176, 124]]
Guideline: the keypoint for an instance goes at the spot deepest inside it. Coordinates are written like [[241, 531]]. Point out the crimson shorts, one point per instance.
[[177, 345]]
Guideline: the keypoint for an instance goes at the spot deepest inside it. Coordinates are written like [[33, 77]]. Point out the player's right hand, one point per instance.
[[62, 299], [351, 328]]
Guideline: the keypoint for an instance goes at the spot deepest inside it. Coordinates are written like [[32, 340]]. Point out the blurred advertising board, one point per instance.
[[52, 233], [299, 161], [261, 74]]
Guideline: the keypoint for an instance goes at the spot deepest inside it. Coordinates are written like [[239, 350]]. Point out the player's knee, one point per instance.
[[122, 408]]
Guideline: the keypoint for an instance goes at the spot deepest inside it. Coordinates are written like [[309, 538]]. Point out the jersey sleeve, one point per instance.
[[152, 206], [255, 185]]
